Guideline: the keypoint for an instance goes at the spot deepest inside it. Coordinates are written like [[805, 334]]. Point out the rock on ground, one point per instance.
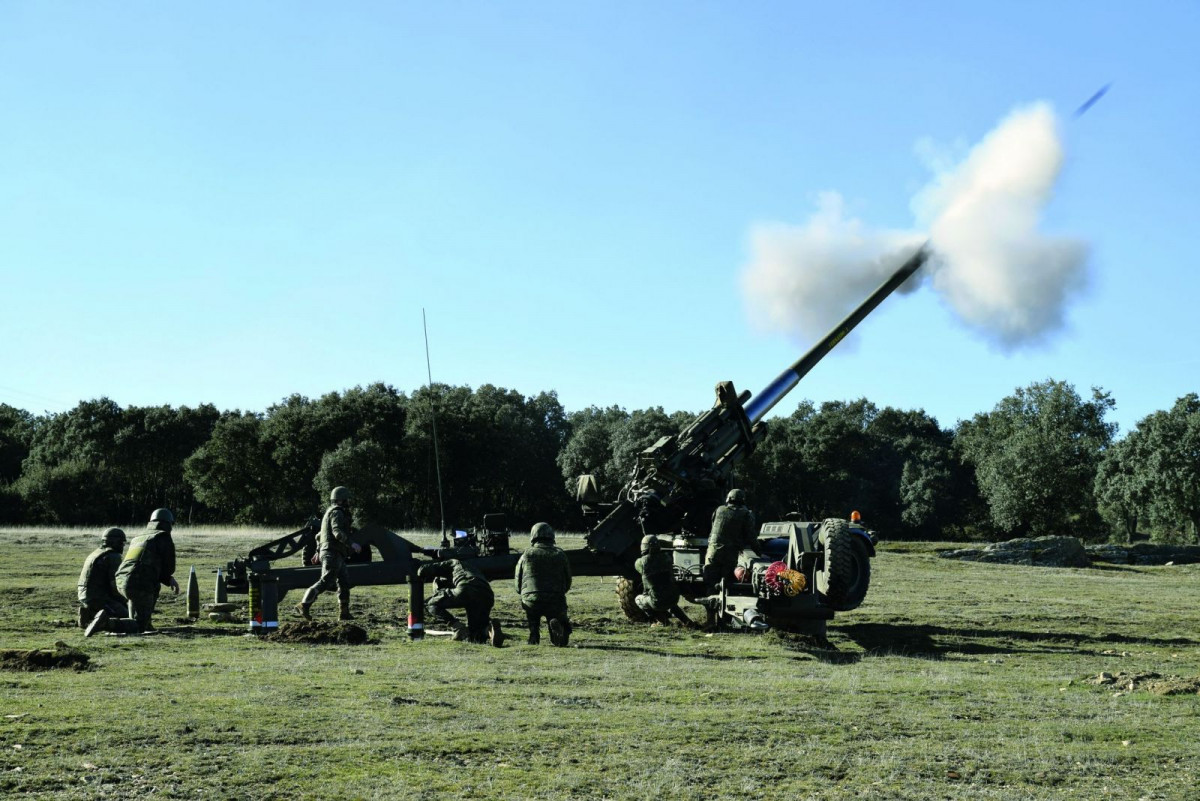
[[1145, 553], [1039, 552]]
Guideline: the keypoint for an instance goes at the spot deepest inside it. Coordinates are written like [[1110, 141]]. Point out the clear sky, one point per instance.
[[232, 202]]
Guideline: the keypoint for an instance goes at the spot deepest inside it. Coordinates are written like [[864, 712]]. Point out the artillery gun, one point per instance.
[[678, 481], [800, 573]]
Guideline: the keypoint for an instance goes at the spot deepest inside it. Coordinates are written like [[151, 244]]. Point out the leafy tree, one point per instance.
[[1036, 455], [589, 447], [1123, 485], [233, 475], [1172, 448]]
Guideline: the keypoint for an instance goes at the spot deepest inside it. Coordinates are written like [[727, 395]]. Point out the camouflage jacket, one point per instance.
[[733, 529], [335, 530], [543, 574], [464, 577], [149, 561], [657, 571], [98, 579]]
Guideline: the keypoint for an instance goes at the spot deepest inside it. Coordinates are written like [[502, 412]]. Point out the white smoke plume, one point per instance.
[[1001, 276]]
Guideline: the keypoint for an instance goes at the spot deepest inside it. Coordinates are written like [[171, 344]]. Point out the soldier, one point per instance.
[[98, 580], [543, 579], [149, 563], [733, 530], [335, 546], [660, 598], [462, 586]]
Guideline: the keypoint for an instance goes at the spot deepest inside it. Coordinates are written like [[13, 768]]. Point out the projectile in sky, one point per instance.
[[1091, 101]]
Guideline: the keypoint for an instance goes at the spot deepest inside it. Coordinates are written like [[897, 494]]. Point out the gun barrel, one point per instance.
[[758, 406]]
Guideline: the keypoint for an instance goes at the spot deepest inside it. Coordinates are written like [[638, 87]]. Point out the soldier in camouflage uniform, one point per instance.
[[335, 545], [149, 564], [733, 529], [462, 586], [543, 579], [98, 580], [660, 596]]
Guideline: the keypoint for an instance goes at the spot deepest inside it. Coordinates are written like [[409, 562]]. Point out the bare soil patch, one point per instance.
[[320, 633], [1148, 682], [60, 656]]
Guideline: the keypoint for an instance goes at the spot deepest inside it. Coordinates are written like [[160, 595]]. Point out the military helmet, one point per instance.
[[114, 538], [541, 532], [735, 496], [650, 543], [339, 494], [162, 517]]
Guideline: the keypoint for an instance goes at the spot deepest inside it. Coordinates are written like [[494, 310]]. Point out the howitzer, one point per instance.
[[678, 480]]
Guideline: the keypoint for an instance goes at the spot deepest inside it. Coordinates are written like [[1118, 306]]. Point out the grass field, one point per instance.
[[952, 681]]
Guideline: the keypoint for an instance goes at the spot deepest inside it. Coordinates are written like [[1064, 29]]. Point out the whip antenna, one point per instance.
[[437, 462]]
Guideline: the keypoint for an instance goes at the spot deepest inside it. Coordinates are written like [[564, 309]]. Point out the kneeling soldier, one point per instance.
[[543, 579], [462, 586], [660, 596], [98, 580], [149, 564]]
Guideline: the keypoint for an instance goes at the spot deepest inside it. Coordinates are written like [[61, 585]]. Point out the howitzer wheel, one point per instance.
[[845, 573], [627, 590]]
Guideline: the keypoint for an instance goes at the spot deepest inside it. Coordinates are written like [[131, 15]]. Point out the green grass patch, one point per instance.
[[953, 680]]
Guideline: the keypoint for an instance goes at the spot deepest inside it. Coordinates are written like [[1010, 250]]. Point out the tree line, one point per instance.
[[1044, 460]]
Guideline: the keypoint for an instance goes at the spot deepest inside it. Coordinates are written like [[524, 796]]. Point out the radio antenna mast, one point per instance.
[[437, 462]]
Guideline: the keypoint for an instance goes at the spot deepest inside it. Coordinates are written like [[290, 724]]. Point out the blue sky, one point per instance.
[[231, 202]]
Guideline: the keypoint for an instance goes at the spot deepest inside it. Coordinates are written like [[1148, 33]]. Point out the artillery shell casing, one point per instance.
[[193, 595], [220, 594]]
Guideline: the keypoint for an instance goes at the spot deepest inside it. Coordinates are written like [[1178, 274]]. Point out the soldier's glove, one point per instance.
[[443, 583], [423, 571]]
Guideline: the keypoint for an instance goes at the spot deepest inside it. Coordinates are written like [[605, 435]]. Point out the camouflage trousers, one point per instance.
[[717, 567], [115, 609], [140, 607], [648, 603], [477, 605], [333, 574], [535, 610]]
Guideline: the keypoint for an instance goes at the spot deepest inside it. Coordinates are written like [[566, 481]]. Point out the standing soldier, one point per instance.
[[543, 579], [464, 588], [660, 596], [98, 580], [149, 563], [335, 545]]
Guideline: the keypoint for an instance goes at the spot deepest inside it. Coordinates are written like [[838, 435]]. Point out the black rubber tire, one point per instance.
[[845, 575], [627, 590]]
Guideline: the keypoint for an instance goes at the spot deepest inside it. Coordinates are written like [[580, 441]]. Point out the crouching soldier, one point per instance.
[[98, 580], [335, 546], [660, 596], [462, 586], [149, 564], [543, 579]]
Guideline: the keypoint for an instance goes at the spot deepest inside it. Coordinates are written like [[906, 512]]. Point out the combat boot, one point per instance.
[[302, 610], [344, 610], [99, 623], [461, 634], [559, 632], [535, 636], [494, 635]]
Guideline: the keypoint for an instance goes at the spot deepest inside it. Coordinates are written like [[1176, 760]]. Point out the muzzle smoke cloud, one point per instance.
[[1001, 276]]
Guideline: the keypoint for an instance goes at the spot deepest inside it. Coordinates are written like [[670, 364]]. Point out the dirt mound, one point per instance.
[[319, 633], [1148, 682], [60, 656]]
